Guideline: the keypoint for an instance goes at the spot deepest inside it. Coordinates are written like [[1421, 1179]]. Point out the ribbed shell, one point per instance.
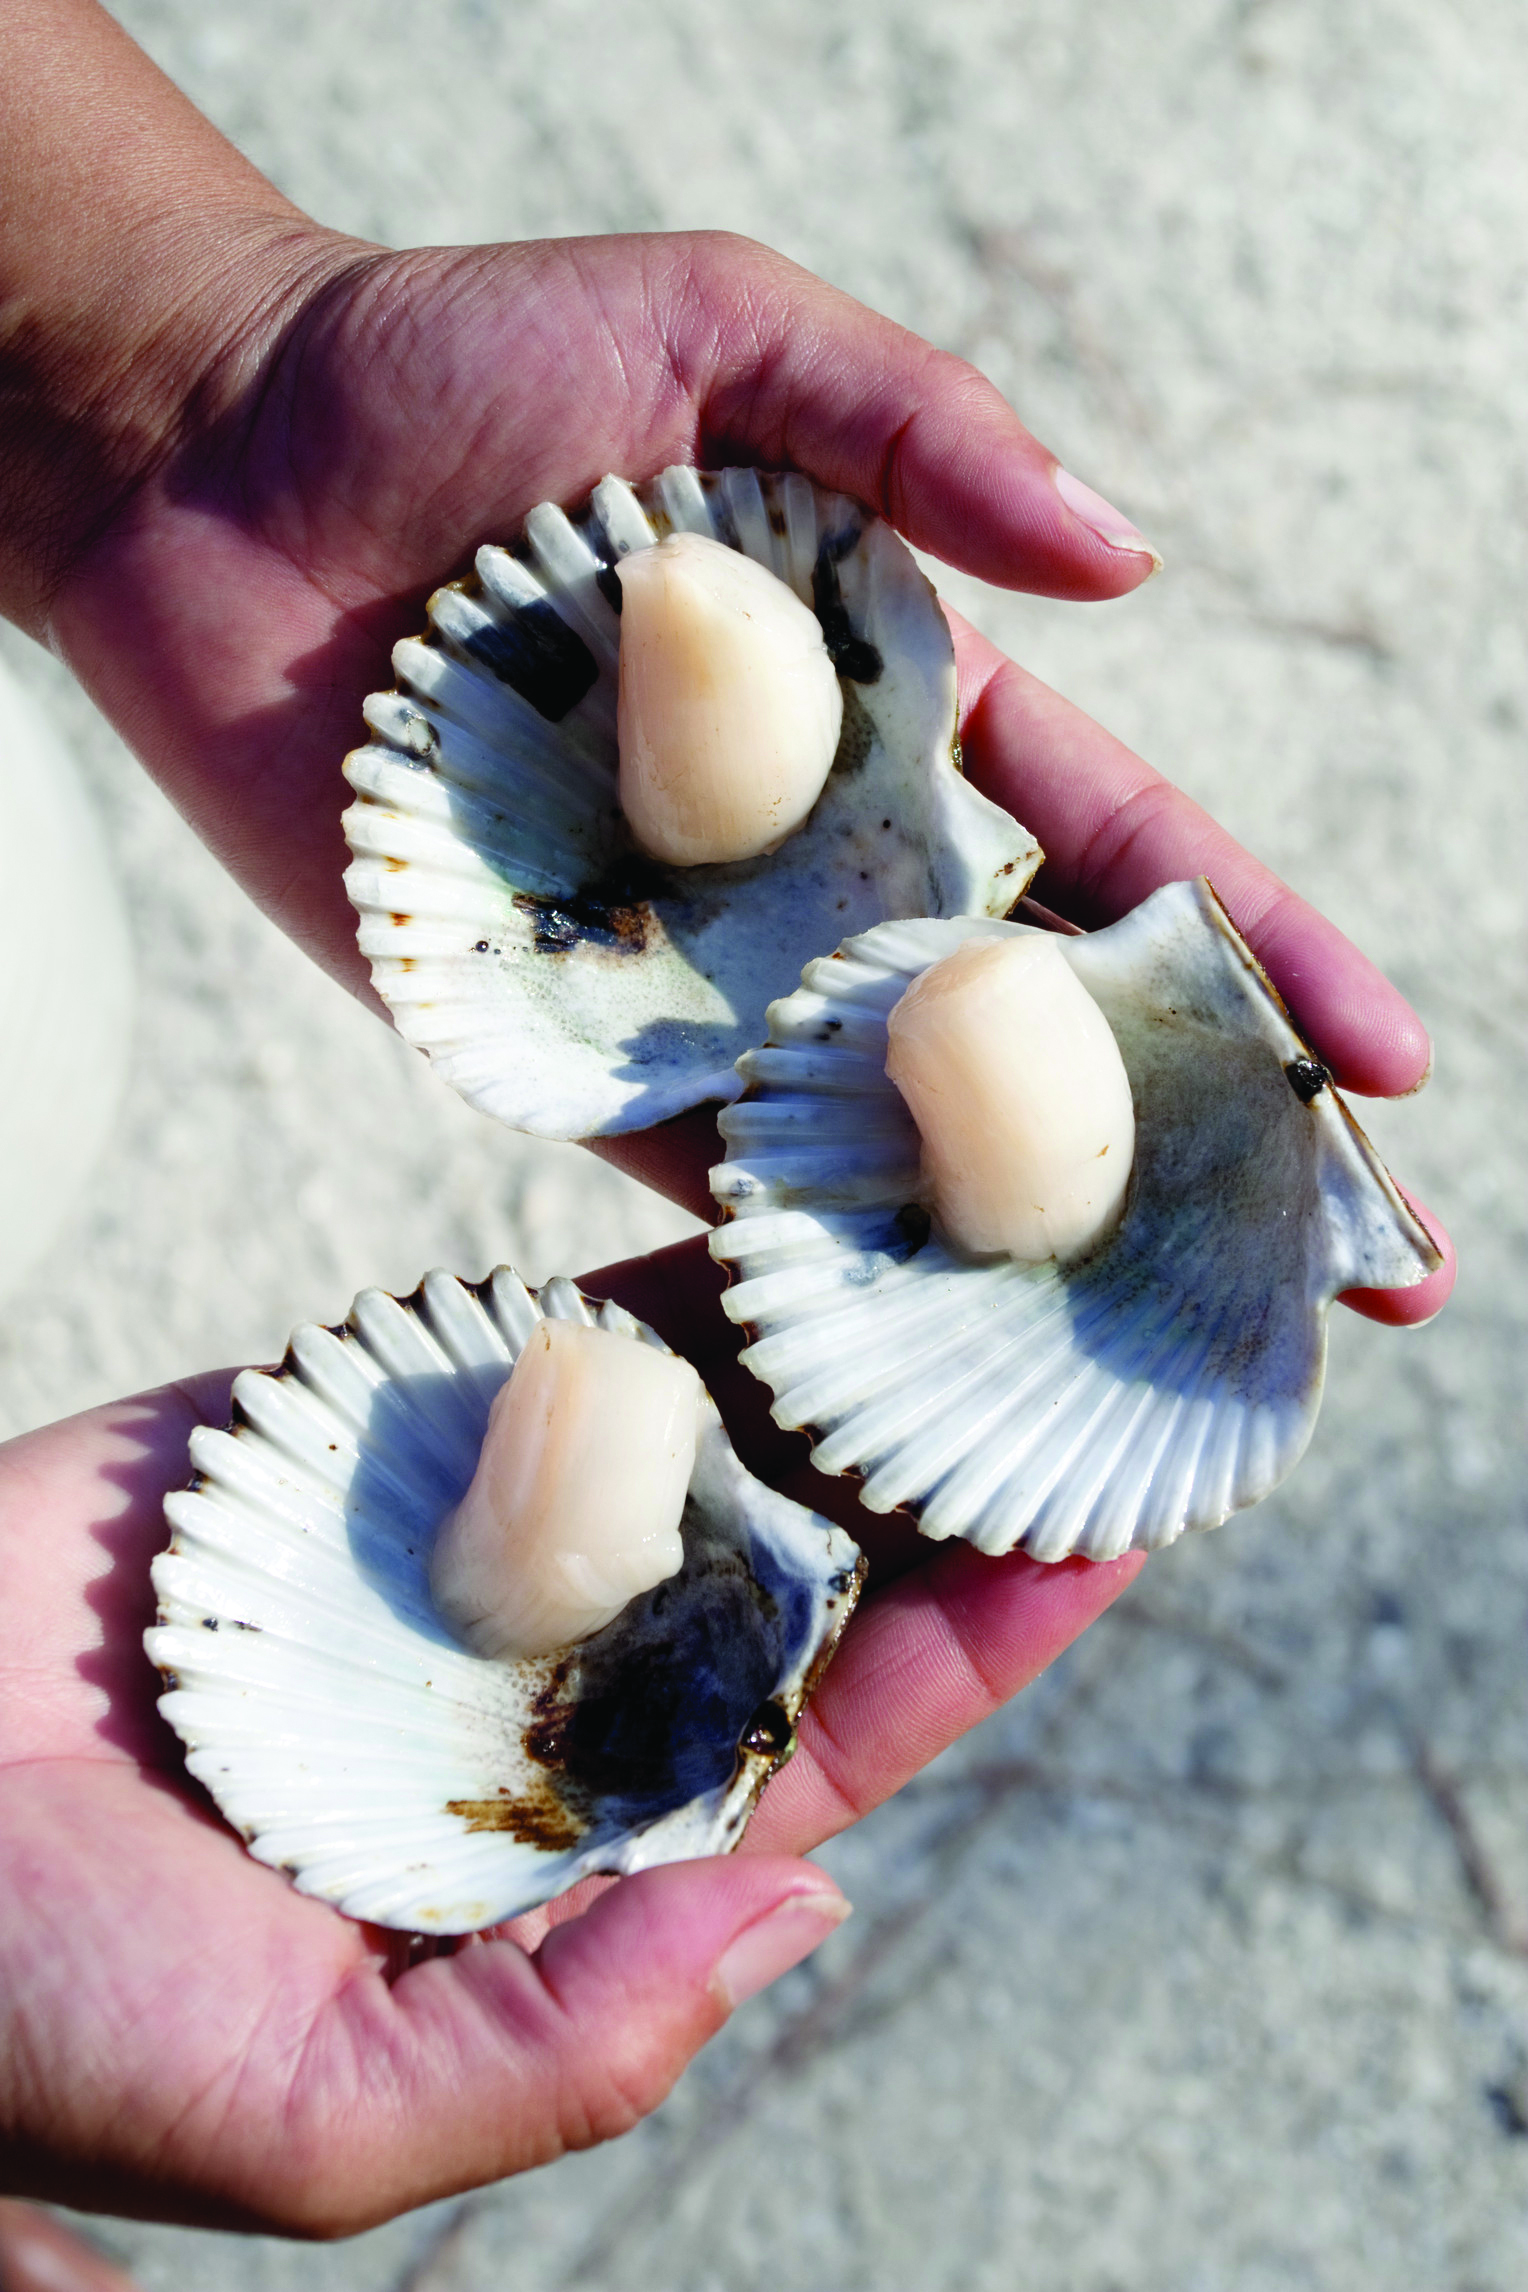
[[559, 980], [1166, 1381], [355, 1743]]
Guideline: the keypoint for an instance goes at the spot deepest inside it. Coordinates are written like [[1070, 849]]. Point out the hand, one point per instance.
[[187, 2037], [290, 437]]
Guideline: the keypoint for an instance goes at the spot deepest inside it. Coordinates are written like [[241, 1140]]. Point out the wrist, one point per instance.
[[96, 399], [143, 264]]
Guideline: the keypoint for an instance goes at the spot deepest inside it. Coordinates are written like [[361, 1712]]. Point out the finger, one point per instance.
[[1409, 1308], [38, 2254], [578, 356], [705, 347], [787, 370], [531, 1929], [492, 2061], [921, 1664], [1114, 831]]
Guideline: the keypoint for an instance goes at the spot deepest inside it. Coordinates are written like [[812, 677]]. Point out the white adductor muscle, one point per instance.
[[729, 707], [1016, 1083], [576, 1502]]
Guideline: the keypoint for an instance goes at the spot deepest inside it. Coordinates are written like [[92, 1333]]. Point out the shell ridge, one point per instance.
[[986, 1452], [460, 1325], [1055, 1516], [1022, 1312]]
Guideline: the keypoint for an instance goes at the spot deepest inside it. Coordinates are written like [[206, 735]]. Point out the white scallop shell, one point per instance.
[[1169, 1379], [350, 1737], [556, 978]]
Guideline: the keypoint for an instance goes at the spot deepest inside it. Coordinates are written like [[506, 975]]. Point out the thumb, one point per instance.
[[787, 368], [494, 2060]]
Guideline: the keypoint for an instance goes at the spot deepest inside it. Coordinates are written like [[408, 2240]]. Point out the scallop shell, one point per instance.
[[1166, 1381], [558, 979], [348, 1735]]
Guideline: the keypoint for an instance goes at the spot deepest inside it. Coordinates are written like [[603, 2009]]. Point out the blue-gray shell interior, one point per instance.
[[704, 1672]]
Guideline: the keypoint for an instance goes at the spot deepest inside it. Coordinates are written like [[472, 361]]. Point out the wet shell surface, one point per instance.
[[348, 1735], [560, 980], [1162, 1383]]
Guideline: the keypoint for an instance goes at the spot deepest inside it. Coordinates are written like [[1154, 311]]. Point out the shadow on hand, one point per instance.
[[152, 1434]]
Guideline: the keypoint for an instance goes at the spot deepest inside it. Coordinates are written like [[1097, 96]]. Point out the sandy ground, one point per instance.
[[1206, 1964]]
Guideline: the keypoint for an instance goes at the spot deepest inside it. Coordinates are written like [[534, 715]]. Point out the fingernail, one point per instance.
[[1100, 517], [776, 1942], [1423, 1079]]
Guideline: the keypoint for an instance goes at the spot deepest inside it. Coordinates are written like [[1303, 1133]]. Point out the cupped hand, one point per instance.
[[376, 415], [185, 2036]]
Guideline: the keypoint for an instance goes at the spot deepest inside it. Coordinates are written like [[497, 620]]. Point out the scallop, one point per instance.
[[575, 1503], [729, 708], [1165, 1380], [558, 977], [344, 1730], [1013, 1076]]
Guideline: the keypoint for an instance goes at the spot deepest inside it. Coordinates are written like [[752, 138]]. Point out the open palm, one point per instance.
[[186, 2035]]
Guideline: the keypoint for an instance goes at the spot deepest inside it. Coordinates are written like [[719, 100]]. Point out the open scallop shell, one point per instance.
[[356, 1744], [1169, 1379], [557, 978]]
